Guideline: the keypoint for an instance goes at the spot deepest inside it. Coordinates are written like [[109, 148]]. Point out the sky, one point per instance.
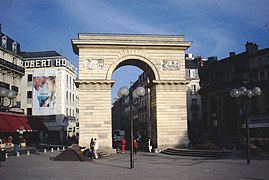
[[215, 27]]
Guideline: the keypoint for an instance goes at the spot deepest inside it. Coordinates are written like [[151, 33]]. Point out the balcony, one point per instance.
[[11, 67]]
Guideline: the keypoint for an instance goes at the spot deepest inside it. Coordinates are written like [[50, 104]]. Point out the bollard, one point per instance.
[[63, 148], [223, 148], [45, 150], [6, 155], [36, 151], [18, 154], [234, 148], [58, 149], [51, 150], [28, 153]]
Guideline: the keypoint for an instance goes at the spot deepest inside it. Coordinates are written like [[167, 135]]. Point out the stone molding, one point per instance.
[[99, 81], [170, 82]]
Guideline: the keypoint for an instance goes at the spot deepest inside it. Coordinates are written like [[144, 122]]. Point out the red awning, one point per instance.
[[14, 122]]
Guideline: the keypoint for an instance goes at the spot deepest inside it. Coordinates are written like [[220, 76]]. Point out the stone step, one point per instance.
[[196, 153]]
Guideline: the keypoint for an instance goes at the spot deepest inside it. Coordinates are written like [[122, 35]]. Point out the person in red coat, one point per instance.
[[135, 146], [123, 144]]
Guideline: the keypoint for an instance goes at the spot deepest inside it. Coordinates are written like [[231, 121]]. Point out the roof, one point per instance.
[[10, 122], [191, 64], [9, 43], [39, 54]]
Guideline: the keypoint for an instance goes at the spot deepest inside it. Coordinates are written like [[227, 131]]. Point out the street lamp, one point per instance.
[[6, 93], [134, 98], [246, 93]]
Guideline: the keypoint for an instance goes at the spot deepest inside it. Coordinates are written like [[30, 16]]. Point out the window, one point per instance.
[[73, 99], [193, 89], [29, 94], [15, 88], [4, 41], [67, 96], [30, 78], [262, 75], [14, 47], [187, 73], [193, 73], [29, 111], [14, 61], [70, 81], [66, 111], [194, 101], [194, 117], [67, 80]]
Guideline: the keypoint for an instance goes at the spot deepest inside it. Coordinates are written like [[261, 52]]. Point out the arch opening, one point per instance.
[[138, 61], [141, 110]]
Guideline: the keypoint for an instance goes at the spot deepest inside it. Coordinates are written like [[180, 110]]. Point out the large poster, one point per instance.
[[44, 92]]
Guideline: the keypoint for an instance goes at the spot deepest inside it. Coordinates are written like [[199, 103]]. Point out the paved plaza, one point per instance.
[[147, 166]]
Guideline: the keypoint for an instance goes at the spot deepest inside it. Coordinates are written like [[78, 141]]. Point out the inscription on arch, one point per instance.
[[170, 65]]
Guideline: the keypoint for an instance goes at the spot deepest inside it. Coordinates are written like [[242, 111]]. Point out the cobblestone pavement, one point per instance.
[[147, 166]]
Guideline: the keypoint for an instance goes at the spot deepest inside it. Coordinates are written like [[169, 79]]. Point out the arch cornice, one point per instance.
[[114, 65]]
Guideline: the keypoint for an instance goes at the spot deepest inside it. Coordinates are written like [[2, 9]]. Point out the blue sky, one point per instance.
[[215, 27]]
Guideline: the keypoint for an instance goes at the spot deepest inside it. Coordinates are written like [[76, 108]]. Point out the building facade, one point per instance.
[[49, 92], [223, 120], [11, 71], [194, 104]]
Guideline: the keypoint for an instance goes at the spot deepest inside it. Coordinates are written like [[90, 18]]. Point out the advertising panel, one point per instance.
[[44, 92]]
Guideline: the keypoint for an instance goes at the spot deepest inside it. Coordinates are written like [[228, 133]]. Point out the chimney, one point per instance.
[[232, 54], [213, 58], [251, 48]]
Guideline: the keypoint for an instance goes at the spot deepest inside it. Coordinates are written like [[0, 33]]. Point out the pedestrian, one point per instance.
[[135, 146], [95, 148], [123, 144], [91, 148], [149, 145], [15, 141]]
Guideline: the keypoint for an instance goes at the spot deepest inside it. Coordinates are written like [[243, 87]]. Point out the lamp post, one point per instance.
[[134, 98], [246, 93], [6, 93]]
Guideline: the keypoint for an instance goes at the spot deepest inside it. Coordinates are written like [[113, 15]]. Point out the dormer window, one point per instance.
[[4, 41], [14, 47]]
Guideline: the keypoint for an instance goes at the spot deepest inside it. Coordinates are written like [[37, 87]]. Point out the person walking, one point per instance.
[[123, 144], [149, 145], [135, 146], [15, 141], [91, 148], [95, 148]]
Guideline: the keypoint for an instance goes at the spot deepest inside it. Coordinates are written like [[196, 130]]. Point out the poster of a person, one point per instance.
[[44, 90]]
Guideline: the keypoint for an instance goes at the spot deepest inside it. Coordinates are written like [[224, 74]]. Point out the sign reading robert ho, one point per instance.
[[52, 62]]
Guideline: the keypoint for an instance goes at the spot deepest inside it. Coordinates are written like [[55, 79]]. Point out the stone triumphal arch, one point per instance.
[[162, 57]]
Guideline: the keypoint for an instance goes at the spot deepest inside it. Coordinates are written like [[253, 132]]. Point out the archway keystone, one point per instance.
[[162, 57]]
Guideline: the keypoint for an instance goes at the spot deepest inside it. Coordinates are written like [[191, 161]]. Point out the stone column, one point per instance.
[[95, 113], [169, 114]]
